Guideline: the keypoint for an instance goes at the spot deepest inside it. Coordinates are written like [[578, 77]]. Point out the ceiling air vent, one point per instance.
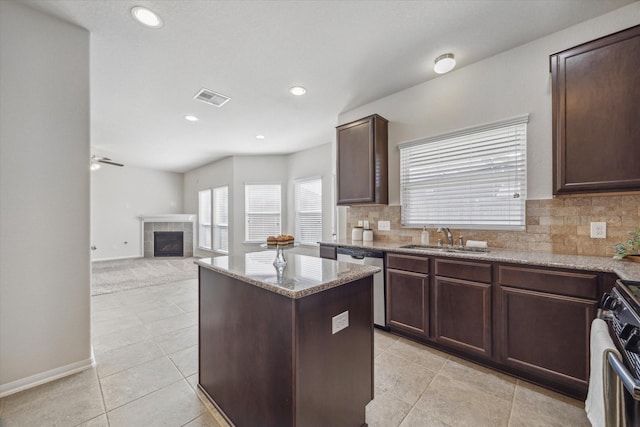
[[211, 97]]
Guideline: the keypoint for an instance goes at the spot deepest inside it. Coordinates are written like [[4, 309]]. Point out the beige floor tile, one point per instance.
[[119, 339], [204, 420], [405, 380], [178, 340], [386, 410], [382, 341], [170, 324], [68, 401], [455, 402], [186, 360], [174, 405], [100, 421], [536, 406], [481, 379], [417, 353], [162, 310], [130, 384], [119, 359], [418, 418]]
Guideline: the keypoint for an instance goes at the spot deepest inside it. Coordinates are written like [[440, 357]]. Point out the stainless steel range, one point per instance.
[[621, 310]]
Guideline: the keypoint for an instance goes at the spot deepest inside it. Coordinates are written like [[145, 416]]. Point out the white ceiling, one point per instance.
[[346, 53]]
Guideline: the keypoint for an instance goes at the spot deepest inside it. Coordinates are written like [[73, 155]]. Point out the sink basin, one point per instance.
[[444, 248]]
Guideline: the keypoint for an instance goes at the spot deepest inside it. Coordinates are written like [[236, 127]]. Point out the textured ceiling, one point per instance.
[[346, 53]]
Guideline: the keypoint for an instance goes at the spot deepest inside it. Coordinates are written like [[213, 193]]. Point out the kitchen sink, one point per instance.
[[444, 248]]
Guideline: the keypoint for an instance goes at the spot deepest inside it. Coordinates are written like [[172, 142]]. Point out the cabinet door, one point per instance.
[[546, 336], [407, 301], [596, 119], [462, 315], [362, 161]]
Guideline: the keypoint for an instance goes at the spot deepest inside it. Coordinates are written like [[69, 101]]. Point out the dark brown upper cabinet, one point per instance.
[[363, 161], [596, 115]]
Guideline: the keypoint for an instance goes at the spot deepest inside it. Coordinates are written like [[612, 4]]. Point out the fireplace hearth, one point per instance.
[[168, 243]]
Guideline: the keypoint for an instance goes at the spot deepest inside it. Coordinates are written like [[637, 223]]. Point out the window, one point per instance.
[[473, 178], [262, 211], [308, 195], [221, 219], [204, 219]]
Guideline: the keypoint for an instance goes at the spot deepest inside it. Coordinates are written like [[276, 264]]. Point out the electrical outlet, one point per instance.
[[339, 322], [598, 230], [384, 225], [366, 223], [359, 223]]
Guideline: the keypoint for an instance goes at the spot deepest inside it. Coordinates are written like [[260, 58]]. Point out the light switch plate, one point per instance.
[[339, 322], [598, 230], [384, 225]]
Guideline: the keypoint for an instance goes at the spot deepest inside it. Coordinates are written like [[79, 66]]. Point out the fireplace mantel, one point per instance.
[[169, 218]]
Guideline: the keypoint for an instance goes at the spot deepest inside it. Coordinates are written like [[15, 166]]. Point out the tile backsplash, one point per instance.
[[560, 225]]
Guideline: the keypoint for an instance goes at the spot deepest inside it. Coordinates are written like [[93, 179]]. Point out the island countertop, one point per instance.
[[302, 276]]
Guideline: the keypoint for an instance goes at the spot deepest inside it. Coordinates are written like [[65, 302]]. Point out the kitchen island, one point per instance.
[[288, 346]]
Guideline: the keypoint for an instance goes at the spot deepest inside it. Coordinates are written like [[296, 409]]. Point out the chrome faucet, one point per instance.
[[447, 234]]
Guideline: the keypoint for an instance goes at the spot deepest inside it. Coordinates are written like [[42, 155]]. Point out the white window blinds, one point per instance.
[[473, 178], [204, 219], [308, 200], [262, 211], [221, 219]]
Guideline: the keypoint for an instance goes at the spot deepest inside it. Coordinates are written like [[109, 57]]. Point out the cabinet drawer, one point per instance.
[[582, 285], [466, 270], [414, 263]]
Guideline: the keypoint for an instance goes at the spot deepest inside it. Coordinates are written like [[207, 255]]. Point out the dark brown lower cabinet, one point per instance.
[[408, 301], [530, 321], [462, 315], [546, 337]]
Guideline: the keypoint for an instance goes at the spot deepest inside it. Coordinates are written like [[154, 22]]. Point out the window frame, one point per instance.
[[202, 224], [458, 176], [214, 223]]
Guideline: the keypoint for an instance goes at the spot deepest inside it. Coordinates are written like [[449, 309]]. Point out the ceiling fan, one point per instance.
[[96, 160]]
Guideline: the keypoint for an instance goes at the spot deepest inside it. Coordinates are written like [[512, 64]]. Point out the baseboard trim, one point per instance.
[[117, 258], [45, 377]]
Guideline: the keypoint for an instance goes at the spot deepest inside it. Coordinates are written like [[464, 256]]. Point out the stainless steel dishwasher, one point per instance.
[[376, 259]]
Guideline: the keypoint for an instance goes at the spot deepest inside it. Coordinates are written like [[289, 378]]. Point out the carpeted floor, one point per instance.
[[118, 275]]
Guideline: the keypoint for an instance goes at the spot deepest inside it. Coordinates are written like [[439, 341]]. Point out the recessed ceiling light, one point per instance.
[[191, 118], [297, 90], [444, 63], [259, 136], [146, 17]]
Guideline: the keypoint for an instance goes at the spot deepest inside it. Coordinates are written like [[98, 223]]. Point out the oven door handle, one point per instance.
[[630, 383]]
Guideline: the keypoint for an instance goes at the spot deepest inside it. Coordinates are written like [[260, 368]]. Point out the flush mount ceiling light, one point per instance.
[[146, 17], [297, 90], [259, 136], [191, 118], [444, 63]]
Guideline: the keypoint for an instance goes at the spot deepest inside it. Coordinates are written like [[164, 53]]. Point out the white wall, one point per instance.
[[316, 162], [44, 182], [509, 84], [119, 195], [238, 171]]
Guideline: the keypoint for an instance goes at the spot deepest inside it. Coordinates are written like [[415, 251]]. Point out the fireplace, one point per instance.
[[168, 243]]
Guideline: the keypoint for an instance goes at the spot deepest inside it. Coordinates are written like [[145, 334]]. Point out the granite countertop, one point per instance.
[[626, 270], [302, 276]]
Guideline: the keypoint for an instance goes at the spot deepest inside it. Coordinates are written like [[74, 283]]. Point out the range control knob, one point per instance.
[[609, 302], [627, 330], [633, 343]]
